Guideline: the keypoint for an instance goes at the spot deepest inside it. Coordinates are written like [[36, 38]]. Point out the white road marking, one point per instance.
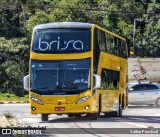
[[135, 124], [138, 125], [141, 119], [30, 119]]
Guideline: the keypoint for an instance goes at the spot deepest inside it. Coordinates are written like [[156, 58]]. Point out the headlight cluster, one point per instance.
[[82, 99], [39, 101]]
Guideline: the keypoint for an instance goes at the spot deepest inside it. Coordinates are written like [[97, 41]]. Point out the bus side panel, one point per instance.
[[111, 97], [124, 81]]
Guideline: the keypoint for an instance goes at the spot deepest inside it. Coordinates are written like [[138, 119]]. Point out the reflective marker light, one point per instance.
[[80, 100]]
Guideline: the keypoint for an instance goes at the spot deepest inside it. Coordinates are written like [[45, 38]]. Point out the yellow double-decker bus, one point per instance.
[[77, 68]]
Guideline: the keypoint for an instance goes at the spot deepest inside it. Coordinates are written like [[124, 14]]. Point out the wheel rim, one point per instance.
[[118, 111], [158, 102]]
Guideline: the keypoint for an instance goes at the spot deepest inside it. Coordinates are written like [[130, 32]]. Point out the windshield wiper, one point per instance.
[[43, 90], [70, 89]]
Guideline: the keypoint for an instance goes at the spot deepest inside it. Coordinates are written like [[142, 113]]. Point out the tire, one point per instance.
[[108, 114], [77, 115], [118, 113], [158, 102], [70, 115], [93, 116], [44, 117]]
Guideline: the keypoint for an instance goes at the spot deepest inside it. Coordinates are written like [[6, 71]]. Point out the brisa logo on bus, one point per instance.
[[75, 44]]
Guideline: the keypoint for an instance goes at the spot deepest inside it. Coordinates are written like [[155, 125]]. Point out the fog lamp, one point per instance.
[[33, 108], [87, 107]]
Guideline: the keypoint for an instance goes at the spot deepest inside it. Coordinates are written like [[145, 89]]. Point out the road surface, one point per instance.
[[133, 117]]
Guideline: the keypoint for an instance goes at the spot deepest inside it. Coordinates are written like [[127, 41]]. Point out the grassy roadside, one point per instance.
[[13, 97]]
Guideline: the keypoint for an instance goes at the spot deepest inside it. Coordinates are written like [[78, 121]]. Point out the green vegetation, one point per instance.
[[13, 97], [18, 17], [109, 86]]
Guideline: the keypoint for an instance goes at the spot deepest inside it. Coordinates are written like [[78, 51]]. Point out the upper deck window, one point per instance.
[[62, 41]]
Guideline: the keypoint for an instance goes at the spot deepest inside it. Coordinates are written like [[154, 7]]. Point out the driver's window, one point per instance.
[[81, 76]]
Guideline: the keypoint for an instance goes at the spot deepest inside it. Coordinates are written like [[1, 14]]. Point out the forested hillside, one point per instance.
[[18, 17]]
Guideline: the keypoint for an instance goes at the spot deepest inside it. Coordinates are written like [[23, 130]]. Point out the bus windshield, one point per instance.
[[60, 77], [62, 41]]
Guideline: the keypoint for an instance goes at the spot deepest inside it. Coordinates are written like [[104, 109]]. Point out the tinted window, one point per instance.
[[62, 41], [96, 51], [138, 87], [110, 79], [110, 44], [60, 76], [144, 87], [151, 87]]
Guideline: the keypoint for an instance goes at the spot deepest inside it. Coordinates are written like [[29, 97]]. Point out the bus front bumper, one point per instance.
[[85, 107]]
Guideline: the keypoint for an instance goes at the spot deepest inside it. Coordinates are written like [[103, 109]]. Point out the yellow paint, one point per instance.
[[108, 97]]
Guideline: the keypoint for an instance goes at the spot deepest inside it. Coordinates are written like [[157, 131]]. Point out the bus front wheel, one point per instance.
[[93, 116], [70, 115], [44, 117]]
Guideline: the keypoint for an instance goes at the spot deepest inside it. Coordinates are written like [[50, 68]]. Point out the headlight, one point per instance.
[[80, 100], [39, 101]]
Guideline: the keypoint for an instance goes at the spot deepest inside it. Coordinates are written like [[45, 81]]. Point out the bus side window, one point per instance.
[[110, 79], [96, 50], [107, 42], [112, 45], [116, 46], [120, 48], [124, 50], [101, 40]]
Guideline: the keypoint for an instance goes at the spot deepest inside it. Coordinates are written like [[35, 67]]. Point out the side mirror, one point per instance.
[[26, 82], [97, 81]]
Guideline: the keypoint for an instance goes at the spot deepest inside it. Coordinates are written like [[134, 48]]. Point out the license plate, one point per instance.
[[59, 108]]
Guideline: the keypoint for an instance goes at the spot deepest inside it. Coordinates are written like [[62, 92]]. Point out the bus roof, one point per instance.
[[72, 25], [63, 25]]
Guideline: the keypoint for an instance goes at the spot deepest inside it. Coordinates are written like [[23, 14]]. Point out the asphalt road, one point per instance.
[[133, 117]]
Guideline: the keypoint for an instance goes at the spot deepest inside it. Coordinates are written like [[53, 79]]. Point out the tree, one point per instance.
[[18, 18], [13, 64], [148, 38]]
